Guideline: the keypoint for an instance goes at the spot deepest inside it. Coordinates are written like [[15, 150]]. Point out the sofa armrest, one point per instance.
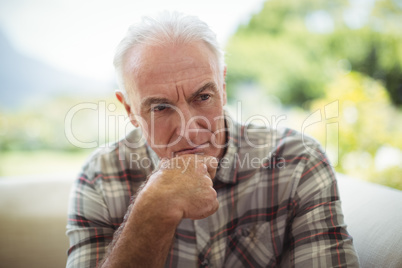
[[373, 214]]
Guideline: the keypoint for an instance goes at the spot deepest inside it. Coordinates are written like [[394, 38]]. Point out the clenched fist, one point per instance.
[[182, 187]]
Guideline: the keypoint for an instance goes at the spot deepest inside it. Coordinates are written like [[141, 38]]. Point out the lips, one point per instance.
[[192, 150]]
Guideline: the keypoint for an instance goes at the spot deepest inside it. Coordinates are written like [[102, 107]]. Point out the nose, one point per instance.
[[188, 127]]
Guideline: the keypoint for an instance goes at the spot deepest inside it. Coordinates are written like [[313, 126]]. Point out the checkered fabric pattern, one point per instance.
[[278, 196]]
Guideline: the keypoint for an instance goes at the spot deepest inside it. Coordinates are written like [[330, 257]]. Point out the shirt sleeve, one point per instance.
[[317, 232], [89, 228]]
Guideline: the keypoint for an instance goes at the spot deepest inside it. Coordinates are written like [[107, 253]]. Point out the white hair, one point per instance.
[[166, 28]]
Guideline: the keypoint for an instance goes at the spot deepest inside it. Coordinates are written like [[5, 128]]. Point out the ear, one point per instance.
[[120, 97], [224, 86]]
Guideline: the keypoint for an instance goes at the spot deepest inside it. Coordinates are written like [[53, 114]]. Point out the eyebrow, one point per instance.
[[157, 100], [209, 85]]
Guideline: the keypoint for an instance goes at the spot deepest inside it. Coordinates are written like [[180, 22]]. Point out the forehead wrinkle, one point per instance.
[[164, 75], [138, 61], [147, 102]]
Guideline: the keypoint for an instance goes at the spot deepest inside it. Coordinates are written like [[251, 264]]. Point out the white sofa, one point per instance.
[[34, 212]]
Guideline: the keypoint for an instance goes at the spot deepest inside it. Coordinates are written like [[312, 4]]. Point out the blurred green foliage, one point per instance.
[[369, 133], [55, 124], [310, 53], [293, 48], [34, 127], [44, 136]]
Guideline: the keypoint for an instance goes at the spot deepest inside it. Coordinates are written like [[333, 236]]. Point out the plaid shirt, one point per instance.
[[278, 197]]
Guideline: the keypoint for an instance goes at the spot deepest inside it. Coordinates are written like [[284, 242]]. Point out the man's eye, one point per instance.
[[204, 97], [158, 108]]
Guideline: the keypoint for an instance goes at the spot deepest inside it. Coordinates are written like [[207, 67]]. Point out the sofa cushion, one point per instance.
[[33, 222]]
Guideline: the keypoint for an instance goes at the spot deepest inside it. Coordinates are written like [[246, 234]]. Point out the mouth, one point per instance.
[[192, 150]]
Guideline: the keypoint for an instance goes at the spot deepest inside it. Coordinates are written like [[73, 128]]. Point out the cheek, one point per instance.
[[157, 131], [217, 120]]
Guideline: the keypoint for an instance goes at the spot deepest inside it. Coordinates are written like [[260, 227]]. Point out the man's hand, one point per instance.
[[183, 187]]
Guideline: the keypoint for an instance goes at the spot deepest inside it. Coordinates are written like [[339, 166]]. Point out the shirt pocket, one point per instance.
[[250, 246]]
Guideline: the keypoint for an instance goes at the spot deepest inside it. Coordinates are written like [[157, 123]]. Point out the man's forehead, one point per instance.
[[184, 67], [170, 58], [167, 66]]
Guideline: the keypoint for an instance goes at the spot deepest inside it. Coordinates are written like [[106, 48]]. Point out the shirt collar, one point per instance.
[[227, 170]]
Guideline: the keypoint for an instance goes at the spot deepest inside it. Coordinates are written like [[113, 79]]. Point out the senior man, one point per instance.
[[202, 190]]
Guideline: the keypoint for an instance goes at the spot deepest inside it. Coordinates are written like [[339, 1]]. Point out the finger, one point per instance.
[[212, 165]]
